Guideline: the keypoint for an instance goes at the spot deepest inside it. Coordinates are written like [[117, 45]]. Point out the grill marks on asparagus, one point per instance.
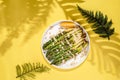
[[65, 45], [59, 37]]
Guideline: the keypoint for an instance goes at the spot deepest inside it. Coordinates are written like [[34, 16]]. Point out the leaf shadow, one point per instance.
[[41, 18], [22, 16], [105, 54], [68, 7]]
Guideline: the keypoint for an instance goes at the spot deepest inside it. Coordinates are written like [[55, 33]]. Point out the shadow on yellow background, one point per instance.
[[27, 18]]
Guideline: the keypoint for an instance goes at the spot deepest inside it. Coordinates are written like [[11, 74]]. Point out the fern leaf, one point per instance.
[[18, 70], [29, 70], [100, 23]]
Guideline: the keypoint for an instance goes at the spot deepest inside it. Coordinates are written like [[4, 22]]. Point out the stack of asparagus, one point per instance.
[[66, 45]]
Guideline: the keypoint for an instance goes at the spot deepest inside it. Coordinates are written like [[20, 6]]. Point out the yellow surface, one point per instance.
[[20, 39]]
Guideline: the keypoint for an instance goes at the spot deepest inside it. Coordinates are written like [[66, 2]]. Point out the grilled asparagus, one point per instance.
[[65, 45]]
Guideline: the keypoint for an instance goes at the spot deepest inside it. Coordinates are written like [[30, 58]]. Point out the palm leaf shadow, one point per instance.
[[68, 7], [31, 12], [40, 19], [104, 54], [2, 20]]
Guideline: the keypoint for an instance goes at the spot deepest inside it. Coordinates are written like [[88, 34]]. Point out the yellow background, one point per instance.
[[23, 22]]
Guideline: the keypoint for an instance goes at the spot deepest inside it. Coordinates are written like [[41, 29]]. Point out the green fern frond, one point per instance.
[[100, 25], [29, 70]]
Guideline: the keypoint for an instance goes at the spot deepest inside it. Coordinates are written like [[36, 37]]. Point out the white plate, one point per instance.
[[74, 62]]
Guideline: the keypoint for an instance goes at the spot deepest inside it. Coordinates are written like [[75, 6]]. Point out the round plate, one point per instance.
[[65, 44]]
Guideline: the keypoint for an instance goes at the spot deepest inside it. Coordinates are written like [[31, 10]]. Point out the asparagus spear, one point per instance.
[[59, 60], [59, 37], [63, 51], [56, 59], [59, 46], [47, 43], [59, 43], [58, 54], [65, 38]]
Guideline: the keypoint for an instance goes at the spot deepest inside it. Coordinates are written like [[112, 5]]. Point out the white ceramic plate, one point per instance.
[[71, 63]]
